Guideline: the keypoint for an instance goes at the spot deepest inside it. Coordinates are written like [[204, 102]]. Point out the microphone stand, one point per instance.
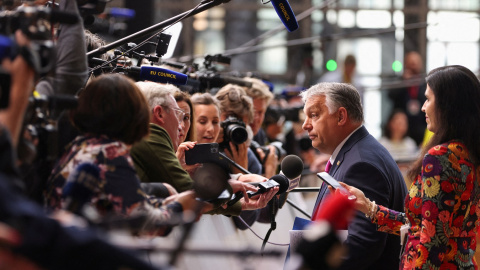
[[154, 28], [187, 229], [273, 203]]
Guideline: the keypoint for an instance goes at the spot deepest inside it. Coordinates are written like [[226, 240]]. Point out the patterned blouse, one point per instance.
[[442, 208], [117, 191]]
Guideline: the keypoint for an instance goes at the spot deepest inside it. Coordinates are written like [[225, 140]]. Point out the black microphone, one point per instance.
[[292, 168], [80, 187], [156, 74], [285, 13], [218, 80], [278, 180]]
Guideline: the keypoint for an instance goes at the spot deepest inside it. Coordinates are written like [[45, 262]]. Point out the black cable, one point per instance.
[[298, 209], [273, 224]]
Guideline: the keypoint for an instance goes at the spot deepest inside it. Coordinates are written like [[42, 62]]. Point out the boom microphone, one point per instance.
[[285, 13], [157, 74]]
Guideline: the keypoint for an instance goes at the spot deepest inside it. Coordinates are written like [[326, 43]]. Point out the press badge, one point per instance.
[[403, 237]]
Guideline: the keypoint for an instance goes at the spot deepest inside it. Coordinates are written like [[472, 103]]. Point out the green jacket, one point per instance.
[[155, 161]]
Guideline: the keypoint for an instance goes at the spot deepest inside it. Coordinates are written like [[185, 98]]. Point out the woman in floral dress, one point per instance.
[[112, 114], [441, 210]]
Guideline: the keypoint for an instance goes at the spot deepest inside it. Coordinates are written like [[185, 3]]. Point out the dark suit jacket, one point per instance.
[[365, 164], [401, 98]]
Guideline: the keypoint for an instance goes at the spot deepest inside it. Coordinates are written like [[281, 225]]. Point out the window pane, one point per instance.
[[454, 4], [385, 4], [346, 18], [274, 60], [372, 101], [398, 4], [435, 55], [369, 53], [373, 19], [453, 26], [465, 54]]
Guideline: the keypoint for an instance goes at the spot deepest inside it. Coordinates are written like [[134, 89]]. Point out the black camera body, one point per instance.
[[234, 130], [278, 146], [34, 23]]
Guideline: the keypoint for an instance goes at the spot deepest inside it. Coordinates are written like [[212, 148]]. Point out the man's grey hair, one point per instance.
[[337, 95], [157, 94]]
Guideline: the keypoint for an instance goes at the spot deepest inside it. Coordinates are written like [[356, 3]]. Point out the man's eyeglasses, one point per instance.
[[178, 112]]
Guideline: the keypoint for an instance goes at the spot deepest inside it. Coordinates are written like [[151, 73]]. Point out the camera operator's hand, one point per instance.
[[260, 201], [22, 81], [271, 161], [185, 146], [240, 156]]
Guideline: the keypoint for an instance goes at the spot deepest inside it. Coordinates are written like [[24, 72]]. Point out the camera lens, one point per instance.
[[236, 133]]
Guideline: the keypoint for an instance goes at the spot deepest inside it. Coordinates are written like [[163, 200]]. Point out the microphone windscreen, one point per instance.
[[162, 75], [209, 181], [285, 12], [292, 166], [283, 181]]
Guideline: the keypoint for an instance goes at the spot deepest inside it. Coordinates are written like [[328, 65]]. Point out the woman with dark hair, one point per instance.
[[442, 204], [395, 139], [112, 114]]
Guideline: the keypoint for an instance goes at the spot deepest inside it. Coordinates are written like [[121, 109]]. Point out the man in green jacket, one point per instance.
[[155, 159]]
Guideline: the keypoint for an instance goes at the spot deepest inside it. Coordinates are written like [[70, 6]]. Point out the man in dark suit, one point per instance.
[[411, 97], [334, 121]]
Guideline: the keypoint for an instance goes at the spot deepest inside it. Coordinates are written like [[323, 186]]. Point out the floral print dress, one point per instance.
[[442, 208], [117, 191]]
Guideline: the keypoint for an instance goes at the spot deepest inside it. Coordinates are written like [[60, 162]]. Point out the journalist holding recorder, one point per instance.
[[155, 157], [334, 121], [440, 221]]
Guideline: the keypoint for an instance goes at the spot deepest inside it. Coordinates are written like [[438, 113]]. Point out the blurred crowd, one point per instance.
[[124, 155]]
